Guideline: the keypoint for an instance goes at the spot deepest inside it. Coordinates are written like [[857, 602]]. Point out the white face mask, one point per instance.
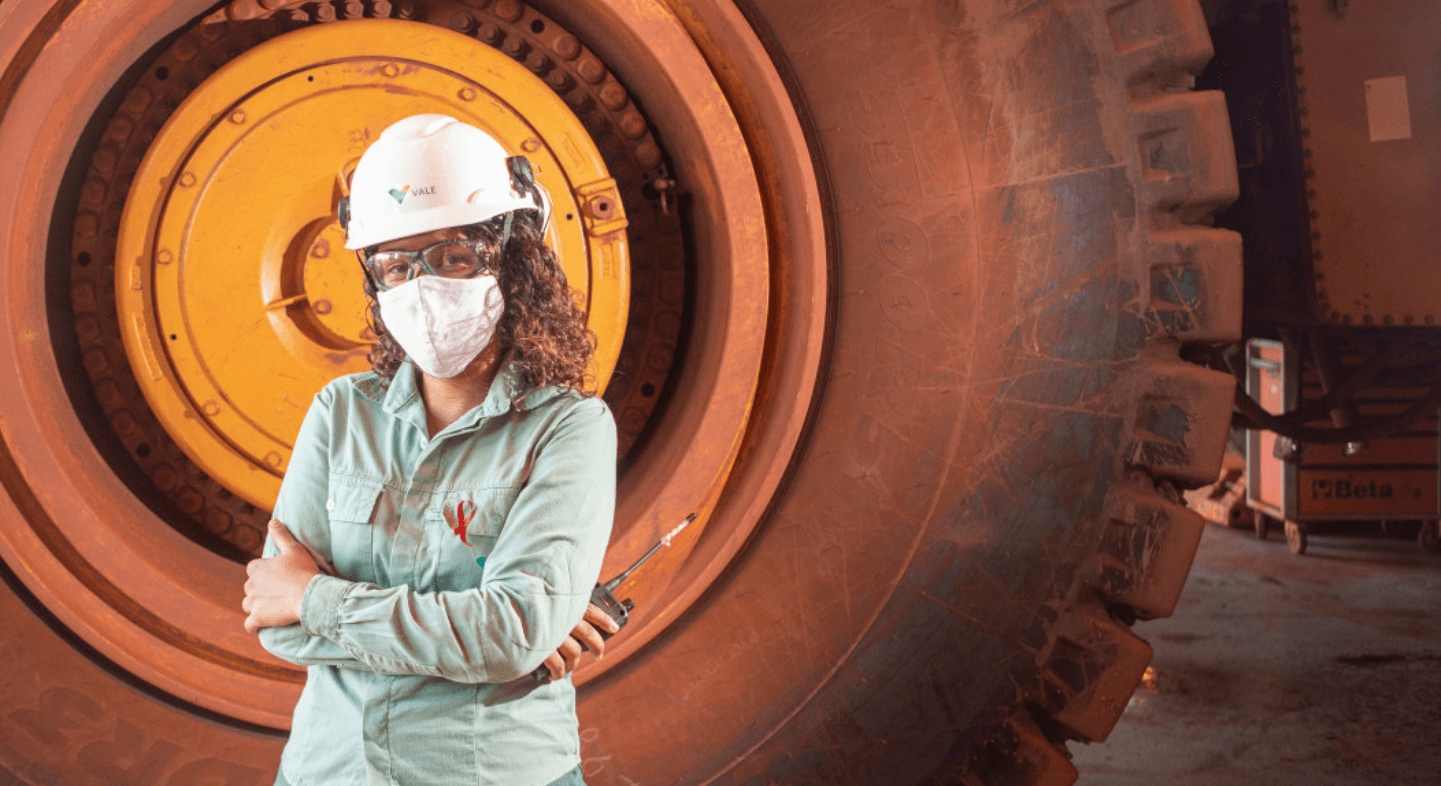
[[443, 323]]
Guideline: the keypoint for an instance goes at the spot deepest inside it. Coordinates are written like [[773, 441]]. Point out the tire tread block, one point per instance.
[[1185, 156], [1179, 423], [1146, 551], [1158, 43], [1019, 754], [1091, 671], [1194, 287]]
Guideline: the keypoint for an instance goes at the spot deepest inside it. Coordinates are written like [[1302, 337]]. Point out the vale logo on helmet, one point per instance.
[[399, 194]]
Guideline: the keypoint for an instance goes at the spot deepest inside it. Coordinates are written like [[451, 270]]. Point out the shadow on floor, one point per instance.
[[1278, 669]]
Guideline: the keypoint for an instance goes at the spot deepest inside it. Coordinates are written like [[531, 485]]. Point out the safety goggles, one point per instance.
[[457, 258]]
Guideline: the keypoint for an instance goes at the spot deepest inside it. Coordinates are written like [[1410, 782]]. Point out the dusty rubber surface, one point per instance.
[[67, 720], [933, 566], [986, 494]]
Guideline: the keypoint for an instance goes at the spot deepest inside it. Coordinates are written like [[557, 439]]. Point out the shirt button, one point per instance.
[[330, 504]]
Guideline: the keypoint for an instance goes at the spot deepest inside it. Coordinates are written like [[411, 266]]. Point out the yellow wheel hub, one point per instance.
[[236, 295]]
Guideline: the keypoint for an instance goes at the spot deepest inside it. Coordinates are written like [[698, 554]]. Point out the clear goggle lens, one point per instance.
[[460, 258]]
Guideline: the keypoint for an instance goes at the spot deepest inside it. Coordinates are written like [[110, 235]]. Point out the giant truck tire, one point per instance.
[[941, 262]]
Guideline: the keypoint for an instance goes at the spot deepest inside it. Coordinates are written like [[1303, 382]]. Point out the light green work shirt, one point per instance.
[[421, 648]]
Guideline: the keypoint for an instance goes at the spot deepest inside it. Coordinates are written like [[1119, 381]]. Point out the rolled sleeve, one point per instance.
[[301, 508], [320, 607]]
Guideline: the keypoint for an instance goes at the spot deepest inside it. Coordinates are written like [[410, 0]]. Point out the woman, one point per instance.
[[462, 491]]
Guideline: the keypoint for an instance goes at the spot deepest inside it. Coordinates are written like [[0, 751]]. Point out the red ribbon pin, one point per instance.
[[462, 520]]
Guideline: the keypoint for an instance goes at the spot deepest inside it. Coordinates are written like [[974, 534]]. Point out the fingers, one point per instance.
[[554, 666], [589, 637], [283, 539], [569, 653], [270, 594], [596, 616], [588, 630]]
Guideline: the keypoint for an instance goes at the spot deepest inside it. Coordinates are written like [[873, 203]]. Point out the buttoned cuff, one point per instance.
[[320, 606]]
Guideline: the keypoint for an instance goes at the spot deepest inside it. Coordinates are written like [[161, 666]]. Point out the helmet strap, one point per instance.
[[523, 182], [505, 232], [542, 197]]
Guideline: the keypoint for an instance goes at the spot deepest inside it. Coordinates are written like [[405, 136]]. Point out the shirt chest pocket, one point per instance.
[[352, 508], [461, 528]]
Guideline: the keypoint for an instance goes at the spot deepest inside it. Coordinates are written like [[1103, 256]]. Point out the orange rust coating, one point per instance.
[[796, 318], [234, 310], [1367, 89], [883, 592], [167, 610], [139, 592]]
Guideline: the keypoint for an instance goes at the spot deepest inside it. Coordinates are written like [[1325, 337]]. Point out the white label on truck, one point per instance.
[[1387, 110]]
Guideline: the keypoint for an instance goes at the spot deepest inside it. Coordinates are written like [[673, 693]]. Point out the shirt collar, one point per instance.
[[403, 400], [402, 397], [508, 381]]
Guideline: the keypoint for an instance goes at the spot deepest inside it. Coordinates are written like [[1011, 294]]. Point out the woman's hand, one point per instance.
[[277, 584], [587, 631]]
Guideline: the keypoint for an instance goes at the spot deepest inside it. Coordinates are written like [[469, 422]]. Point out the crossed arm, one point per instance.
[[275, 593], [496, 632]]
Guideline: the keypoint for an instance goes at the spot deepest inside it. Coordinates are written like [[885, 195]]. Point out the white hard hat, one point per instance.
[[429, 172]]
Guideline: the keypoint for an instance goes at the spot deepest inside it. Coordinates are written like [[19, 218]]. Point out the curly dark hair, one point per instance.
[[543, 328]]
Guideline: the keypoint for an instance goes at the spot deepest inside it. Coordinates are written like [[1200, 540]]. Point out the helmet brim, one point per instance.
[[361, 234]]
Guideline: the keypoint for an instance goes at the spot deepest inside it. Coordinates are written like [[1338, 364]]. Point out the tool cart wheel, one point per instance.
[[1430, 535], [1296, 537]]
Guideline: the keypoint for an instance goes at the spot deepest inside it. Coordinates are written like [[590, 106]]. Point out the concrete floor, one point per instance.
[[1277, 669]]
